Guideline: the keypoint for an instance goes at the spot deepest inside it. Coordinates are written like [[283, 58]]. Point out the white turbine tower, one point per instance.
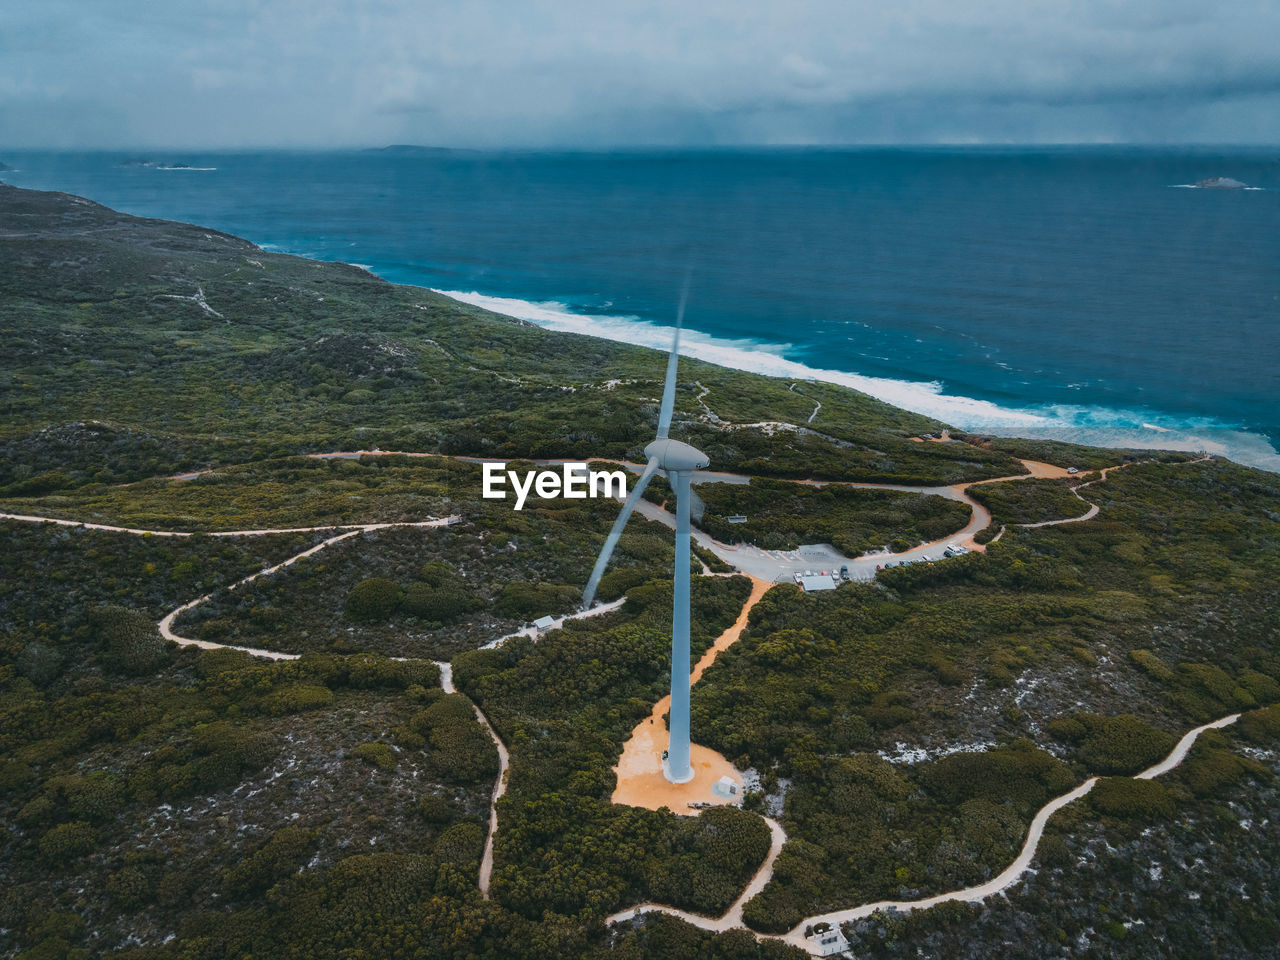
[[678, 461]]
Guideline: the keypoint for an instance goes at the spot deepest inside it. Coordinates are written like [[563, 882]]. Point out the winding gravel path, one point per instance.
[[732, 919], [166, 625], [499, 785], [352, 527]]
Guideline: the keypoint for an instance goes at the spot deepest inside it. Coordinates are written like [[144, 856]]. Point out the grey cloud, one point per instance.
[[227, 73]]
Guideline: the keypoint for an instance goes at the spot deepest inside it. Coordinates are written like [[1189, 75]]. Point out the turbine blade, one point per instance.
[[602, 561], [669, 387]]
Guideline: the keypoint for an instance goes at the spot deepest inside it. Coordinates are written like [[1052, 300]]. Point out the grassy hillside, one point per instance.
[[171, 804], [139, 347]]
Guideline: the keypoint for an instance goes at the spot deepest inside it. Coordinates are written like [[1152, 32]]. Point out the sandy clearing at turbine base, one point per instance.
[[641, 782]]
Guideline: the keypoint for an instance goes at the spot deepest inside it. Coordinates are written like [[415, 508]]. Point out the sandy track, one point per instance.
[[732, 918], [166, 625], [499, 785], [980, 518], [353, 527]]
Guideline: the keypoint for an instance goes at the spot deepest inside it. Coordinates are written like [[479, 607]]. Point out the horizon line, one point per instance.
[[393, 148]]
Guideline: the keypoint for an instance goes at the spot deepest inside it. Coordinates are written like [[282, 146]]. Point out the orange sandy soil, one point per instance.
[[641, 782]]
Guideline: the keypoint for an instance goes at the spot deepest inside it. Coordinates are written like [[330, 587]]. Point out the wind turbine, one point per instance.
[[677, 461]]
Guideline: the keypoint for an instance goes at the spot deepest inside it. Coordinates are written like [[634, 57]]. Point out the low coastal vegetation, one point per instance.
[[1113, 614], [1030, 501], [1065, 455], [780, 515], [565, 705], [159, 803], [1133, 869], [194, 347]]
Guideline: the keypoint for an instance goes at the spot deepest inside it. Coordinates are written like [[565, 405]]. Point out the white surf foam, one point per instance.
[[1096, 426], [750, 355]]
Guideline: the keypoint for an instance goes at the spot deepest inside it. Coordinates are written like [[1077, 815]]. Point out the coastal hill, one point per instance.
[[267, 688], [200, 348]]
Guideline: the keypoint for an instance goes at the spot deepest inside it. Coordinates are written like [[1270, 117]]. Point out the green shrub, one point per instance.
[[945, 670], [1208, 769], [521, 600], [1069, 729], [435, 808], [96, 797], [470, 666], [68, 841], [1156, 668], [276, 859], [373, 600], [461, 843], [130, 887], [224, 753], [130, 638], [1121, 744], [41, 663], [1262, 687], [1261, 726], [36, 811], [371, 671], [1129, 799], [14, 774], [1052, 851], [442, 604], [729, 839], [1019, 774], [380, 755], [462, 751], [617, 582], [987, 534], [714, 563], [296, 698]]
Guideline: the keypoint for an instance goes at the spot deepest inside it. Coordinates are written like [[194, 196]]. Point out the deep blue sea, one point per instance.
[[1079, 293]]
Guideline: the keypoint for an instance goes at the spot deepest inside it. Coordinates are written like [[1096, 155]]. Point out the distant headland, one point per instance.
[[138, 162], [414, 149]]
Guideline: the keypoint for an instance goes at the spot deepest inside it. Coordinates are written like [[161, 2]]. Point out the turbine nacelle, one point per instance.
[[673, 456]]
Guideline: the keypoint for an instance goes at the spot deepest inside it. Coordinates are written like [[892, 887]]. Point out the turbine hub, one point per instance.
[[676, 457]]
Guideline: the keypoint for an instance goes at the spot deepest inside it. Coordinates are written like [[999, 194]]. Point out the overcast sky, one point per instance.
[[594, 73]]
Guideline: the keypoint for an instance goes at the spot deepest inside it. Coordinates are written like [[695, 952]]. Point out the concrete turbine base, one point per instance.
[[666, 772]]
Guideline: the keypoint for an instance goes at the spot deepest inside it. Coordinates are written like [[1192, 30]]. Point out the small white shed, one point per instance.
[[827, 942], [725, 787]]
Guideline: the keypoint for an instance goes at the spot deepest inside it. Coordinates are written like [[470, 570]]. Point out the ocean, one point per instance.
[[1082, 293]]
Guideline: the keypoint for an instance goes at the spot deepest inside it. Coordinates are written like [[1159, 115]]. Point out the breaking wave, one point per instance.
[[1096, 426]]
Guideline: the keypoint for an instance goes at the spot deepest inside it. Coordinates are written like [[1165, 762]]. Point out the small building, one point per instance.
[[737, 518], [544, 623], [725, 787], [827, 941], [812, 582]]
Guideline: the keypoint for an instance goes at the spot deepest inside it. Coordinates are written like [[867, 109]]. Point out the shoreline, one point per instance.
[[1100, 426], [1088, 426], [1067, 421]]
